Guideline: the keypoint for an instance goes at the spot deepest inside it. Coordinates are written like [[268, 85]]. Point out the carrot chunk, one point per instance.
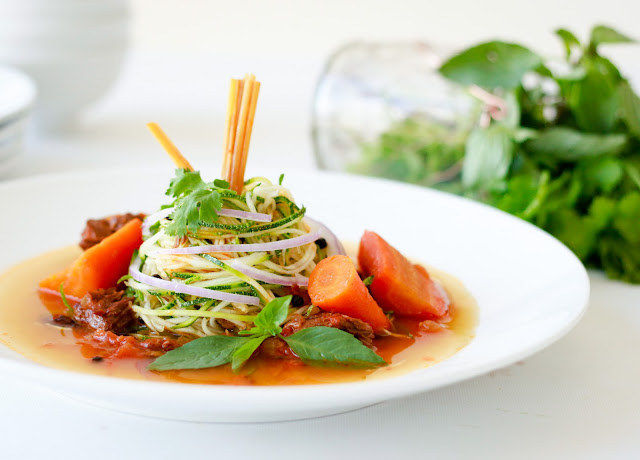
[[100, 266], [398, 285], [334, 285]]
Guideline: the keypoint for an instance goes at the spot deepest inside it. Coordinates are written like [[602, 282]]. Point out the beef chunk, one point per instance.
[[126, 346], [275, 347], [106, 310], [356, 327], [98, 229]]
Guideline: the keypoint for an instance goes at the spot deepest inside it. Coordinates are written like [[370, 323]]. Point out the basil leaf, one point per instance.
[[492, 65], [488, 155], [601, 174], [329, 346], [273, 315], [569, 40], [209, 351], [604, 34], [630, 105], [627, 218], [242, 354], [594, 100], [566, 144]]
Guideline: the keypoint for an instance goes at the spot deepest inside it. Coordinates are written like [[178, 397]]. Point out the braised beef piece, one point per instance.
[[63, 320], [226, 324], [106, 310], [97, 230], [275, 347], [126, 346], [356, 327]]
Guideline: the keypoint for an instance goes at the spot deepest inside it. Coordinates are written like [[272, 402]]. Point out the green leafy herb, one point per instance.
[[221, 184], [565, 155], [368, 280], [604, 34], [566, 144], [570, 41], [273, 315], [491, 65], [204, 352], [329, 346], [242, 354], [280, 179], [316, 345], [70, 310], [196, 204], [488, 155]]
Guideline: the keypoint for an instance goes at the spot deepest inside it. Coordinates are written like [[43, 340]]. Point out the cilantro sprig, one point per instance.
[[315, 345], [196, 202]]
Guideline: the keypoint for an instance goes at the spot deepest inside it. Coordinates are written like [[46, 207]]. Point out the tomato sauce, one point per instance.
[[27, 326]]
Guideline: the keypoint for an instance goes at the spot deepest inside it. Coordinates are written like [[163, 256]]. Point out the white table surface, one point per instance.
[[579, 398]]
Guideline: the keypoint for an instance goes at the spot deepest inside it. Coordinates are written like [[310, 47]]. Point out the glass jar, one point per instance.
[[383, 109]]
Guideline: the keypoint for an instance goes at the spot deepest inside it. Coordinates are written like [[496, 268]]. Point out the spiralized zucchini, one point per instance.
[[164, 311]]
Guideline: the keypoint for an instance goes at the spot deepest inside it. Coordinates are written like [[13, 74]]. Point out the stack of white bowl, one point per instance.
[[72, 48], [17, 93]]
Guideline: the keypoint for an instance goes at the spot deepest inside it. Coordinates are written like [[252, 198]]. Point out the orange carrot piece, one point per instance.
[[398, 285], [334, 285], [100, 266]]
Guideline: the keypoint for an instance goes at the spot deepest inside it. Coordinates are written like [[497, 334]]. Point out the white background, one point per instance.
[[577, 399]]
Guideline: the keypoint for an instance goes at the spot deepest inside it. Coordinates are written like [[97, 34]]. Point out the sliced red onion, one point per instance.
[[333, 243], [57, 293], [249, 247], [155, 217], [267, 277], [137, 275], [255, 216]]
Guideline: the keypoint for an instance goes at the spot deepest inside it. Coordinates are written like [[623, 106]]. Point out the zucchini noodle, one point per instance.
[[166, 311]]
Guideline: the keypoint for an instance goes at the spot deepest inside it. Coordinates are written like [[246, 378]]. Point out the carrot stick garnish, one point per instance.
[[179, 160], [241, 109]]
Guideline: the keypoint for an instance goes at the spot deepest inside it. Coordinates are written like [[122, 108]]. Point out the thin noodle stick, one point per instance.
[[229, 134], [172, 150], [235, 100], [237, 181], [248, 130]]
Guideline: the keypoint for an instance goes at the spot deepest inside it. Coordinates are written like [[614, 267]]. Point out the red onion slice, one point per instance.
[[267, 277], [137, 275], [155, 217], [334, 244], [249, 247], [255, 216], [57, 293]]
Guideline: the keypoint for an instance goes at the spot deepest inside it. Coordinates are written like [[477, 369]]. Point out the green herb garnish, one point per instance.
[[314, 345], [196, 202], [70, 310], [565, 156]]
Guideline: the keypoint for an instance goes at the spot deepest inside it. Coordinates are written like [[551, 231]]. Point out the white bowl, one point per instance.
[[17, 95], [530, 288], [73, 49]]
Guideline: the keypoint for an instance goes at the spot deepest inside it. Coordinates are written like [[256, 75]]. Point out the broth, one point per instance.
[[26, 326]]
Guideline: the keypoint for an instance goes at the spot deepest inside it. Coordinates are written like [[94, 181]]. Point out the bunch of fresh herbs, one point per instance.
[[564, 152]]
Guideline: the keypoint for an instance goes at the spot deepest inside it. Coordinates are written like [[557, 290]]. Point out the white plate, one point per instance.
[[530, 289]]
